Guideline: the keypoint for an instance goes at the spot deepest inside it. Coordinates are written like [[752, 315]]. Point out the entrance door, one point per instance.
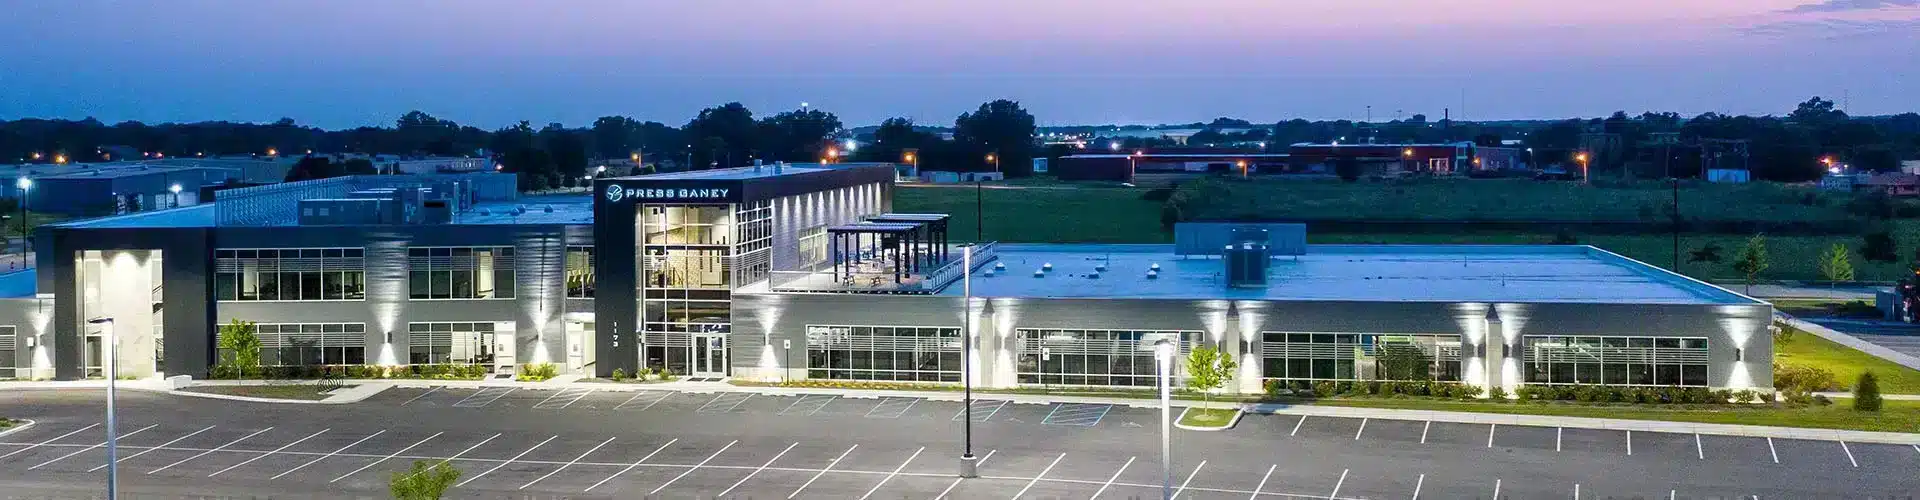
[[503, 350], [710, 356]]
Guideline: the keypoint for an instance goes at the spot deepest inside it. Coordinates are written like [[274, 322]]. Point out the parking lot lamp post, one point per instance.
[[26, 187], [1163, 353], [113, 372], [969, 465]]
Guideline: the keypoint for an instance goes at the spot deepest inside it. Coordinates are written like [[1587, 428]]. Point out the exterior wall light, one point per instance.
[[389, 337], [1739, 354]]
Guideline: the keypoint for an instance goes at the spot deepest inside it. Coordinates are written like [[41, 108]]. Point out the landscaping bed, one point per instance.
[[304, 392], [1208, 418], [1795, 348], [6, 423]]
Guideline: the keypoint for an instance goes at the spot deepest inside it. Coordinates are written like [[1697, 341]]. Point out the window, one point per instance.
[[290, 274], [9, 352], [579, 272], [1359, 356], [898, 353], [460, 272], [301, 344], [1616, 360], [466, 343], [1093, 357], [813, 246]]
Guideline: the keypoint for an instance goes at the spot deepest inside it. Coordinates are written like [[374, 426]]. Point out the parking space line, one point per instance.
[[56, 438], [1116, 475], [1296, 426], [1036, 477], [630, 467], [204, 453], [1077, 414], [561, 400], [725, 402], [1576, 491], [892, 401], [1423, 430], [943, 493], [493, 394], [637, 395], [574, 461], [469, 448], [1183, 484], [264, 455], [83, 450], [1496, 487], [809, 404], [1363, 428], [836, 461], [430, 390], [1629, 443], [1698, 448], [1490, 428], [1343, 481], [1263, 483], [1843, 447], [690, 470], [1776, 454], [736, 484], [1417, 484], [1557, 433], [96, 468], [896, 471], [977, 415], [510, 460], [385, 458], [322, 457]]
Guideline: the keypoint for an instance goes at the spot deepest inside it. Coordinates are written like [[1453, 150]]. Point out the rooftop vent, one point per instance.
[[999, 266], [1153, 275], [1039, 273], [1046, 267], [1247, 258]]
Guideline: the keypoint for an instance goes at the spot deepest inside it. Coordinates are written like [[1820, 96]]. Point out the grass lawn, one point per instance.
[[1102, 215], [309, 392], [1845, 363], [1208, 417], [1896, 416], [8, 422]]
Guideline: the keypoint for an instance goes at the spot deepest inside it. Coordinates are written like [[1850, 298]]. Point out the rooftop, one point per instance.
[[1409, 273], [17, 284], [546, 209], [737, 173]]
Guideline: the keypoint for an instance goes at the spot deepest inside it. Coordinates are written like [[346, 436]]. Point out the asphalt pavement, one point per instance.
[[582, 443]]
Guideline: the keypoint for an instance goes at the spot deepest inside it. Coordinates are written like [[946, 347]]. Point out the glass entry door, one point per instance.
[[709, 356]]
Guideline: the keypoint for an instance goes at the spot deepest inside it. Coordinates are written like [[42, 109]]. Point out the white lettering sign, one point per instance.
[[617, 193]]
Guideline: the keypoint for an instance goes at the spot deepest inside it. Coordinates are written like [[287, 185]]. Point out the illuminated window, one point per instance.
[[290, 274], [460, 272], [897, 353], [1616, 360], [1094, 357], [1293, 356]]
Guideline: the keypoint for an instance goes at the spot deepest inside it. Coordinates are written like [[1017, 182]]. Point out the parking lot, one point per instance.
[[659, 444]]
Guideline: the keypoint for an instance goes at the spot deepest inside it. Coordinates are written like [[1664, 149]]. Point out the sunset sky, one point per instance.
[[488, 63]]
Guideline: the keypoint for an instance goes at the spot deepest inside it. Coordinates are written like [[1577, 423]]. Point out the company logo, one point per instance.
[[615, 193]]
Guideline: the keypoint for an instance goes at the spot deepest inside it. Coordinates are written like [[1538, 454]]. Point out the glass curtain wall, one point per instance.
[[1292, 356], [1616, 360], [1093, 357], [686, 275], [900, 353]]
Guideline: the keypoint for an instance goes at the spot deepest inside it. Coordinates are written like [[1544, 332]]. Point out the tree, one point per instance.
[[1002, 128], [1816, 112], [240, 350], [798, 136], [1752, 260], [615, 136], [358, 166], [1835, 266], [1876, 158], [1707, 253], [568, 150], [314, 167], [723, 135], [1404, 361], [1208, 369], [1878, 246], [1866, 392], [1347, 167], [423, 482]]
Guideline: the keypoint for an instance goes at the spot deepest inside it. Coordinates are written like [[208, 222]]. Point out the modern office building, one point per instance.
[[783, 272]]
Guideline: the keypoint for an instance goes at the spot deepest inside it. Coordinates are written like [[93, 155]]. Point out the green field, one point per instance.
[[308, 392], [1845, 363]]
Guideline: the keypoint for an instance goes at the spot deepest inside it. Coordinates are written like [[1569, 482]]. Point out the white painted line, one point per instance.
[[943, 493], [83, 450], [978, 414], [630, 467], [1672, 494], [469, 448], [96, 468], [1296, 426], [662, 396], [1629, 443], [510, 460], [1263, 483], [423, 394], [323, 457], [265, 455], [577, 460], [1698, 448], [1423, 431], [690, 470], [1576, 491], [1916, 448], [1557, 433], [1490, 429], [809, 404], [561, 400], [725, 402], [836, 461], [1023, 489], [892, 401], [204, 453], [1076, 414], [492, 394], [385, 458], [1183, 484], [1116, 475], [1417, 484], [1843, 447], [1496, 488], [1343, 481], [1776, 454], [56, 438], [1363, 428], [896, 471], [736, 484]]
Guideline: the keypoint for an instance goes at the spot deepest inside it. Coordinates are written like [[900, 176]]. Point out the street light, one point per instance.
[[995, 159], [26, 188], [969, 465], [60, 159], [273, 152], [1163, 355], [113, 435], [1582, 158]]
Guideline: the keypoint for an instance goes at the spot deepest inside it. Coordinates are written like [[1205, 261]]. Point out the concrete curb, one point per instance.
[[1589, 423], [1237, 413], [355, 394], [1876, 350], [24, 424]]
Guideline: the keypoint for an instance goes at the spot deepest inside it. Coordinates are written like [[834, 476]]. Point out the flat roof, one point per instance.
[[1391, 273], [736, 173], [18, 284], [202, 215], [548, 209]]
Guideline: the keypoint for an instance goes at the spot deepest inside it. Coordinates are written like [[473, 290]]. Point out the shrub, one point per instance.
[[1821, 399], [1324, 388], [537, 372], [1767, 397], [1743, 396], [1497, 394], [1866, 392], [423, 482], [1801, 378], [620, 374]]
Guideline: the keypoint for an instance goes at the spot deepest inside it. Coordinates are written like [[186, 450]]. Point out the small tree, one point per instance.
[[1866, 392], [1835, 265], [1878, 246], [242, 346], [424, 482], [1347, 167], [1208, 369], [1753, 260], [1708, 253]]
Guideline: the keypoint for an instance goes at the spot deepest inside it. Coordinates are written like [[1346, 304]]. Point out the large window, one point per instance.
[[9, 352], [901, 353], [1673, 361], [579, 272], [299, 344], [813, 246], [460, 272], [1094, 357], [468, 343], [1359, 356], [290, 274]]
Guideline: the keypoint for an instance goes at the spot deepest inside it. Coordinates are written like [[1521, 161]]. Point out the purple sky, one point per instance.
[[340, 63]]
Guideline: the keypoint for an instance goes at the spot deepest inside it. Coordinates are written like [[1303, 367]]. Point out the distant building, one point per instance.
[[1839, 182], [1910, 166], [1892, 183], [1729, 175], [1125, 165], [109, 188]]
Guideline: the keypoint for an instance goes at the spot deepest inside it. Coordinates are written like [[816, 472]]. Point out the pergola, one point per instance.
[[891, 245], [933, 232]]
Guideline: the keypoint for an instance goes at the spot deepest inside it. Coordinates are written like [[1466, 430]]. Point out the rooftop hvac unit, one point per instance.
[[1247, 258]]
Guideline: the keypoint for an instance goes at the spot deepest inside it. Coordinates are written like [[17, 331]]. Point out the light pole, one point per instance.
[[1163, 353], [995, 160], [1582, 158], [969, 465], [26, 188], [175, 189], [113, 372]]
